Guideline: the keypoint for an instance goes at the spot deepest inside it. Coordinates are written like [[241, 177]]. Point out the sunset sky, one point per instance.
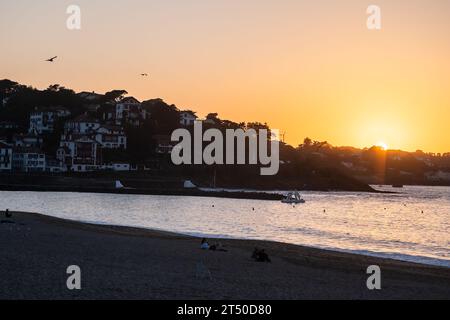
[[310, 68]]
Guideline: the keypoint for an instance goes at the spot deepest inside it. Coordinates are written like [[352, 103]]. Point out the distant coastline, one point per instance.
[[60, 131], [156, 185]]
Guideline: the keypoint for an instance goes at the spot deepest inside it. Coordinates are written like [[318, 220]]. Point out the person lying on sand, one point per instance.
[[260, 255], [215, 247]]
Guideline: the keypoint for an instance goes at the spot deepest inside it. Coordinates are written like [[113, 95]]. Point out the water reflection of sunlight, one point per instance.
[[415, 222]]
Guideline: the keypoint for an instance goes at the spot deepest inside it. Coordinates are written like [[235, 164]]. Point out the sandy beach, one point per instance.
[[130, 263]]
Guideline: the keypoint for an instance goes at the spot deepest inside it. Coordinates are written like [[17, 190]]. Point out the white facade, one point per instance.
[[187, 118], [79, 153], [5, 157], [28, 141], [42, 122], [54, 166], [28, 160], [82, 125], [111, 137], [129, 110]]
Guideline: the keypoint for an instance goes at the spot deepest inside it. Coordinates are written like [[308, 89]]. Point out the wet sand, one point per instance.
[[130, 263]]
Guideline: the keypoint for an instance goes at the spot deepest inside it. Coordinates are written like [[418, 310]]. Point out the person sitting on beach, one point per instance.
[[204, 245], [260, 255], [218, 247], [263, 256]]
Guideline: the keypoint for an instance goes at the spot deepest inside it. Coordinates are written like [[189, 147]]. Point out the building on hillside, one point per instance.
[[111, 137], [187, 118], [64, 155], [109, 114], [42, 121], [54, 165], [31, 140], [129, 111], [6, 160], [83, 124], [27, 159], [79, 153]]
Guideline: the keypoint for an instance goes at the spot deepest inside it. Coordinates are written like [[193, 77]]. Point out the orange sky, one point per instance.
[[307, 68]]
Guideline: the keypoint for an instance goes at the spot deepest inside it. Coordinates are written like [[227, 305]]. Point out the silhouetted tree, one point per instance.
[[164, 118], [114, 95]]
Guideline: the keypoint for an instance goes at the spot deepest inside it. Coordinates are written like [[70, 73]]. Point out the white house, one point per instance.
[[129, 110], [111, 137], [82, 125], [54, 165], [79, 153], [42, 121], [28, 140], [5, 157], [28, 160], [187, 118]]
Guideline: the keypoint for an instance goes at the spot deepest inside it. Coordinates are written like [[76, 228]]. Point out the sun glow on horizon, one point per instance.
[[309, 68], [382, 145]]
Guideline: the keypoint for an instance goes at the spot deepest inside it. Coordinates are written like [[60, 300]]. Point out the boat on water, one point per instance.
[[293, 198], [118, 185]]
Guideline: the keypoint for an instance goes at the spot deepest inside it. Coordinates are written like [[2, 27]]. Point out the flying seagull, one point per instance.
[[51, 59], [144, 74]]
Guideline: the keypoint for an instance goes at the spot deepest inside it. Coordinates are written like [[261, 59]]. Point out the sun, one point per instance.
[[382, 145]]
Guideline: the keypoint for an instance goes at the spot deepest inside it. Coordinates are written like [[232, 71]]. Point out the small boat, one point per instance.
[[293, 198], [119, 185]]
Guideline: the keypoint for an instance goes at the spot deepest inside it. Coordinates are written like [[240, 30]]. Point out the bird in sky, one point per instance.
[[51, 59], [144, 74]]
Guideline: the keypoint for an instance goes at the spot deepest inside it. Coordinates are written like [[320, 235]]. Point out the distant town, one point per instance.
[[84, 136], [58, 131]]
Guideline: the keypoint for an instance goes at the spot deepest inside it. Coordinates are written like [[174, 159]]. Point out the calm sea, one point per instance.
[[412, 225]]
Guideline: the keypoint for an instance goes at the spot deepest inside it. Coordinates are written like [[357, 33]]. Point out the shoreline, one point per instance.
[[152, 232], [199, 236], [297, 272]]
